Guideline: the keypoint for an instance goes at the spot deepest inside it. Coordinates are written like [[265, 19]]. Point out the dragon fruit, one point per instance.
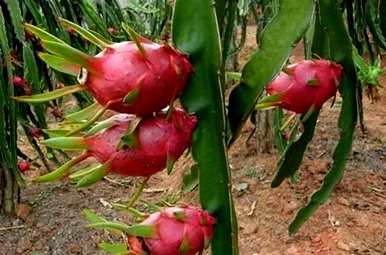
[[155, 143], [178, 231], [305, 85], [137, 82], [137, 77], [184, 230]]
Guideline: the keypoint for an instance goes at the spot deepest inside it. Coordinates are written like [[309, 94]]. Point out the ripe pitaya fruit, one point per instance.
[[137, 81], [179, 231], [305, 85], [137, 77], [172, 231], [155, 143]]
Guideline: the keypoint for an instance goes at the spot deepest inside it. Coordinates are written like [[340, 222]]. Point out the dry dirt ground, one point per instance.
[[353, 221]]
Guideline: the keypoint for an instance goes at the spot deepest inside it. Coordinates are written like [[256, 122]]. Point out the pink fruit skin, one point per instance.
[[307, 83], [18, 81], [23, 166], [156, 139], [175, 226], [157, 77]]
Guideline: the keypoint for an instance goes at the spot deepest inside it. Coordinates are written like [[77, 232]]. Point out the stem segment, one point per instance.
[[137, 193]]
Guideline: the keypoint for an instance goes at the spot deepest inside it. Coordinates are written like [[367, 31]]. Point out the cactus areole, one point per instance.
[[178, 231], [305, 85]]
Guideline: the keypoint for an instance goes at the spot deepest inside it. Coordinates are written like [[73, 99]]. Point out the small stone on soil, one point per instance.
[[74, 248]]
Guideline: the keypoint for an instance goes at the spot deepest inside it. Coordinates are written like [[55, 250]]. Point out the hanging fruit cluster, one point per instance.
[[136, 79]]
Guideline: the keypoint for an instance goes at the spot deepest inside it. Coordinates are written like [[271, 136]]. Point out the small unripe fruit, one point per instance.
[[23, 166], [18, 81]]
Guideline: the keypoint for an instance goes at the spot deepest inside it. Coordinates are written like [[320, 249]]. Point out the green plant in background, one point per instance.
[[10, 177]]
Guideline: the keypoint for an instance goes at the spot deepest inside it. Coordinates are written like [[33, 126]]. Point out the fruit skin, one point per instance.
[[157, 139], [305, 84], [180, 231], [155, 77], [23, 166]]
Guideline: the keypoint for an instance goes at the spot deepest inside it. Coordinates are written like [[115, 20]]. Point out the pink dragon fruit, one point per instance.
[[178, 231], [304, 85], [155, 143], [137, 82], [137, 77]]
